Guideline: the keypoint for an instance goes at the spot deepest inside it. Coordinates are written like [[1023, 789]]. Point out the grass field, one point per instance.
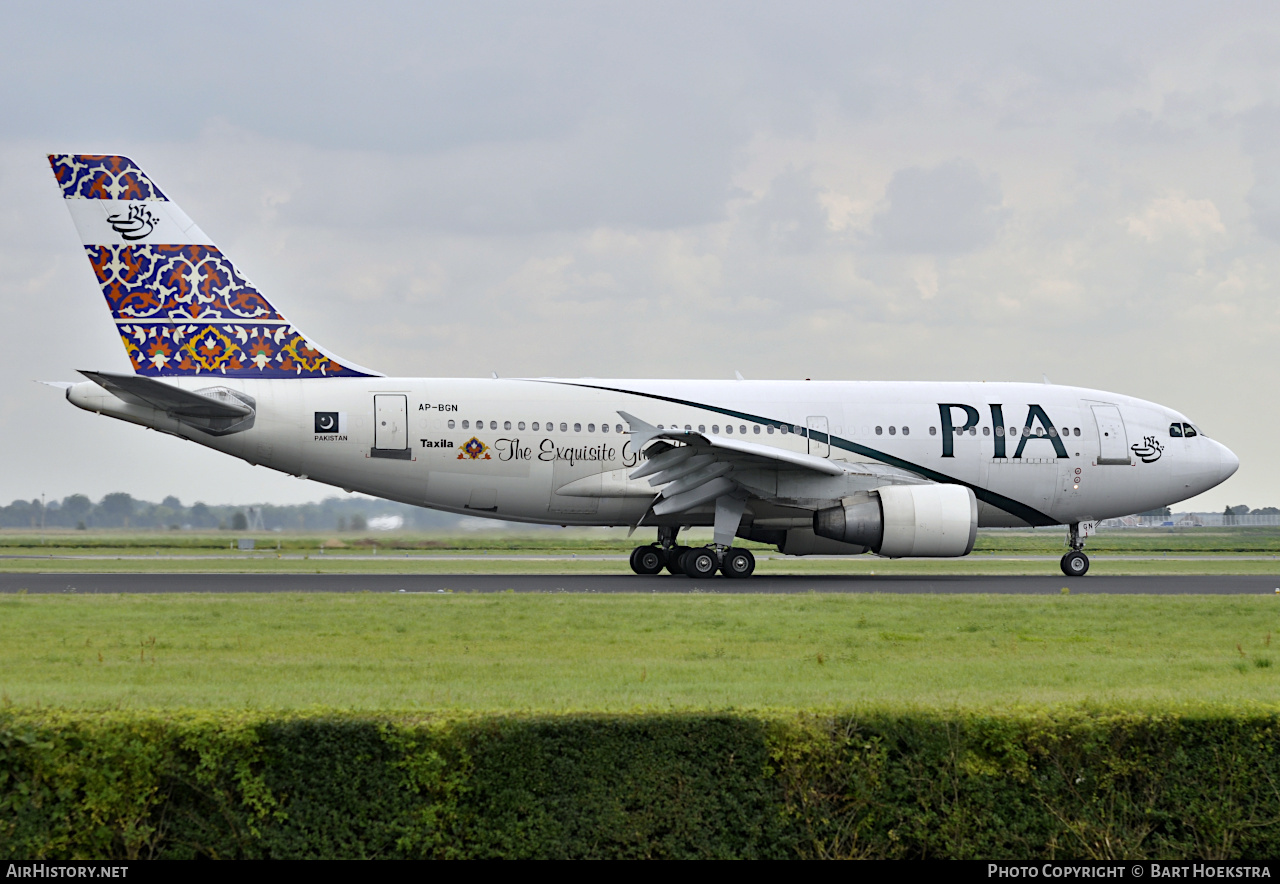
[[975, 565], [1180, 541], [1156, 552], [548, 653]]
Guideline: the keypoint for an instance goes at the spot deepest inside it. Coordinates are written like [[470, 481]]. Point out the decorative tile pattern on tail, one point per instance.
[[93, 177], [186, 310]]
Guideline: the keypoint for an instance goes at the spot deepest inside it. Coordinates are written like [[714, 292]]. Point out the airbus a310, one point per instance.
[[821, 467]]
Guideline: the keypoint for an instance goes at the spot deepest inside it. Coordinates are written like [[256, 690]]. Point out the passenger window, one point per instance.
[[933, 431], [1077, 431], [577, 428], [906, 431], [770, 429], [591, 428], [879, 431], [715, 428], [618, 427], [986, 431], [702, 428], [893, 431], [755, 428], [451, 425], [564, 428], [1053, 431], [688, 429], [520, 426], [466, 425], [1188, 430], [999, 431], [506, 425], [1013, 431], [728, 429], [742, 428], [493, 425], [973, 431], [783, 429], [604, 428], [535, 426]]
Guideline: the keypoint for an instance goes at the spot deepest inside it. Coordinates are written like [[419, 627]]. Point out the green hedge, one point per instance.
[[1069, 784]]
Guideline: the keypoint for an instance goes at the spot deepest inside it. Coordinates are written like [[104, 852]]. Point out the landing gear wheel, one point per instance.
[[647, 560], [738, 563], [1075, 564], [701, 562], [675, 560]]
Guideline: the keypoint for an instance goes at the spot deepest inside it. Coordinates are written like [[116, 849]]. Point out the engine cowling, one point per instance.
[[905, 520]]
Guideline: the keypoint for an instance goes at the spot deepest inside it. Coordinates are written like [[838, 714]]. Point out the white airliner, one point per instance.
[[895, 469]]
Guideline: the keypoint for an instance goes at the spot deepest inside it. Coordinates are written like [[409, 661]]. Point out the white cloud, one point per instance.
[[1177, 216], [678, 190]]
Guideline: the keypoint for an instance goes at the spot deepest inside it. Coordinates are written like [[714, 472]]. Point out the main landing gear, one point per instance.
[[691, 561], [1075, 563]]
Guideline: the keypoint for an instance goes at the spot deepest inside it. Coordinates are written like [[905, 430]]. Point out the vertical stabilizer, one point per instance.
[[180, 305]]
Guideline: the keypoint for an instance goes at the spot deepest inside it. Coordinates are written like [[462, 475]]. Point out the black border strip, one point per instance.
[[1028, 514]]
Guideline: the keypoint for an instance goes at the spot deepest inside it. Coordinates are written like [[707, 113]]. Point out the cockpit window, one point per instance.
[[1189, 431], [1175, 430]]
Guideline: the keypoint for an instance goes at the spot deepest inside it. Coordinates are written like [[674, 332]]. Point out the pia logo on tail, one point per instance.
[[134, 225]]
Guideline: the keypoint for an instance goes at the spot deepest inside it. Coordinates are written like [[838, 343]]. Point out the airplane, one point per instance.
[[895, 469]]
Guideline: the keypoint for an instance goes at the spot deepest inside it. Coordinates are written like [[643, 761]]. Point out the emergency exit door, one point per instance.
[[391, 426], [819, 435]]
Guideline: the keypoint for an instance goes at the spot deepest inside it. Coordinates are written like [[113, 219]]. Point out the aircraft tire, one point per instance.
[[647, 560], [738, 563], [1075, 564], [675, 560], [701, 562]]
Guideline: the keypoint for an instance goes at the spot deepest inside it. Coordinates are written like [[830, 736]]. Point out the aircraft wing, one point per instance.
[[151, 393], [700, 469]]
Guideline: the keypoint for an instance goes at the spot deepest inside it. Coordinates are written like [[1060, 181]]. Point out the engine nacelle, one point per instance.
[[905, 520]]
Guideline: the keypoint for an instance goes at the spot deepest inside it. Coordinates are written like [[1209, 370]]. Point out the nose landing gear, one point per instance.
[[1075, 563]]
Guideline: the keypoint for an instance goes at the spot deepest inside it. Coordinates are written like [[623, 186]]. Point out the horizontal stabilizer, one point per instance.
[[151, 393]]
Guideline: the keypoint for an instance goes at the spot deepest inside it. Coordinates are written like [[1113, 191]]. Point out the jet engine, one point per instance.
[[905, 520]]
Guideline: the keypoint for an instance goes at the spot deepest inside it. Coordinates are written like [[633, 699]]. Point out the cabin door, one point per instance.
[[1113, 442], [390, 426]]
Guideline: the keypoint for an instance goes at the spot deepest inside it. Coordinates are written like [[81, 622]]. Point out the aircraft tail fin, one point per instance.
[[180, 305]]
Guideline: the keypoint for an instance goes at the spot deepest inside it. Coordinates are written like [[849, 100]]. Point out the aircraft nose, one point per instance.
[[1228, 463]]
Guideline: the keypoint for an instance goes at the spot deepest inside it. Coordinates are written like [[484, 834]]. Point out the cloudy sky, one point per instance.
[[856, 191]]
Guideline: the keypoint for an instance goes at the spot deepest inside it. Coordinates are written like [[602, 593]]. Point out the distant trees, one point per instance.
[[121, 510], [115, 511]]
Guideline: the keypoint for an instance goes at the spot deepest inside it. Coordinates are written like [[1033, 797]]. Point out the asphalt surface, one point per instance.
[[587, 583]]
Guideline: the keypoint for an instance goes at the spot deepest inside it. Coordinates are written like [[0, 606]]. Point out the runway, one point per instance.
[[88, 584]]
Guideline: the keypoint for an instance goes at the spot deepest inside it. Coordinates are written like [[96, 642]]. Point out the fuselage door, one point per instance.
[[1113, 442], [819, 435], [390, 426]]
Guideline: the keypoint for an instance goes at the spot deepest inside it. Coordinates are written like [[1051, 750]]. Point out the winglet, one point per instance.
[[641, 432], [61, 385]]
